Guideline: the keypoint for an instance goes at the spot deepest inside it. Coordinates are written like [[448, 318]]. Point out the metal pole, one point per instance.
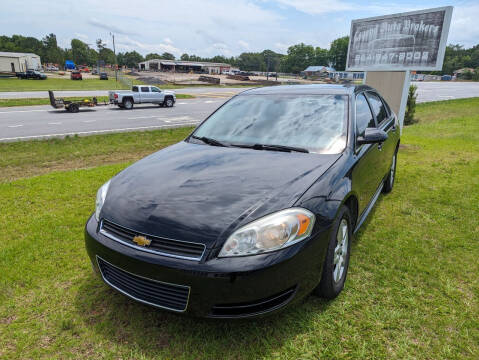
[[114, 53]]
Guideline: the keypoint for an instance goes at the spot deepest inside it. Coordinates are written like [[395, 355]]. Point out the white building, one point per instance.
[[183, 66], [11, 62]]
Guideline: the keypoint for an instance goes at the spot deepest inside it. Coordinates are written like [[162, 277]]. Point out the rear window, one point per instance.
[[145, 89]]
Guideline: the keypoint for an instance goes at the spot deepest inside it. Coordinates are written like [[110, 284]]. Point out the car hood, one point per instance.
[[201, 193]]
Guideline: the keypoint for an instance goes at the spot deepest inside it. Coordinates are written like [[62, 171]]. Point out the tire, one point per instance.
[[336, 262], [389, 182], [168, 102], [74, 108], [128, 104]]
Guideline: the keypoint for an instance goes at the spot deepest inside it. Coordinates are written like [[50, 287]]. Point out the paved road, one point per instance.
[[197, 91], [24, 123], [34, 122], [445, 90]]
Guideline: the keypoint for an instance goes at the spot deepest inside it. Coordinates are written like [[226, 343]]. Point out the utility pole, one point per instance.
[[267, 69], [114, 53]]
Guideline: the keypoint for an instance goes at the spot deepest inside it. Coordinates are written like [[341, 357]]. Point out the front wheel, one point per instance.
[[389, 183], [336, 263], [168, 102]]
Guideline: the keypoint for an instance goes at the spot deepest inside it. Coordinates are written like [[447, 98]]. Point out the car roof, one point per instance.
[[309, 89]]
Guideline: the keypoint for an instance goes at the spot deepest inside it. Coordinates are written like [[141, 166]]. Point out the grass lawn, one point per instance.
[[46, 101], [59, 84], [412, 289]]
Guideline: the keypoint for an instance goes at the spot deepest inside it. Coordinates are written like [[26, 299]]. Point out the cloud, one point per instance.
[[243, 44], [128, 44], [81, 36], [168, 40], [464, 29], [111, 28], [317, 7]]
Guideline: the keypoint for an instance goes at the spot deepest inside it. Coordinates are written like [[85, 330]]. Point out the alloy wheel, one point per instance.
[[340, 251], [392, 171]]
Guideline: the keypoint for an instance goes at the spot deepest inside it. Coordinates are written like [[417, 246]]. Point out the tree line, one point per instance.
[[297, 58]]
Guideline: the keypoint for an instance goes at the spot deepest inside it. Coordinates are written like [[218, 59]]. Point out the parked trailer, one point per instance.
[[73, 106]]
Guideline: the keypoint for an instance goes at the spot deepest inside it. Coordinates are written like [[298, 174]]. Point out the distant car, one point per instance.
[[76, 75], [141, 95], [84, 69], [94, 72], [103, 76], [31, 74]]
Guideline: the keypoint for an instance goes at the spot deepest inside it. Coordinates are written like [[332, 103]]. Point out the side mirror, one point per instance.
[[372, 136]]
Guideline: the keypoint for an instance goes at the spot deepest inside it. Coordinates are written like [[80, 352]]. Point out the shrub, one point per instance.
[[410, 106]]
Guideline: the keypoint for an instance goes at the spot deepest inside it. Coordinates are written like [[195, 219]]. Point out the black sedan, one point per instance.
[[255, 209], [103, 76]]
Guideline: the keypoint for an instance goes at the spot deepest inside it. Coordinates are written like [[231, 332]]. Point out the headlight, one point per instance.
[[100, 199], [270, 233]]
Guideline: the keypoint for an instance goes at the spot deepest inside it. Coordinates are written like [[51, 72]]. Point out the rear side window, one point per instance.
[[378, 107], [134, 89], [145, 89], [364, 118]]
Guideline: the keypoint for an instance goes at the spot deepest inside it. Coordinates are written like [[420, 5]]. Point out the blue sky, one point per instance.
[[211, 27]]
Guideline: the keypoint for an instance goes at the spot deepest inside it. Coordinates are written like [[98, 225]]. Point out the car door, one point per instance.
[[157, 96], [366, 177], [386, 121], [145, 95]]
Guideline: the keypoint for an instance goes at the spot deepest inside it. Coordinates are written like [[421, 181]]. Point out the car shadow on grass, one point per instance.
[[117, 319]]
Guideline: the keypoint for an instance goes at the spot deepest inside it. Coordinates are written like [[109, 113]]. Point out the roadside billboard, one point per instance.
[[407, 41]]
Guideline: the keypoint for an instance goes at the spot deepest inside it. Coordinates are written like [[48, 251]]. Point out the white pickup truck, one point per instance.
[[141, 94]]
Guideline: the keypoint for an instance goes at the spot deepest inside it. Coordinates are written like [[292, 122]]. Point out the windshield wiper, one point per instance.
[[273, 147], [209, 141]]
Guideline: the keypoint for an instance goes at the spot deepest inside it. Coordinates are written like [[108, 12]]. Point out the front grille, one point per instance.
[[148, 291], [167, 247], [254, 307]]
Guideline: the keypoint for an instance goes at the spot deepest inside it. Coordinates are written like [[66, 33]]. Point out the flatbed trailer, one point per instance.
[[73, 106]]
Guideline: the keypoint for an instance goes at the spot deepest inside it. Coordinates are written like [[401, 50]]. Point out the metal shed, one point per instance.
[[12, 62]]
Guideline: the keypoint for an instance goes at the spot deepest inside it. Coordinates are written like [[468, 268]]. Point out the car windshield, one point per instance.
[[317, 123]]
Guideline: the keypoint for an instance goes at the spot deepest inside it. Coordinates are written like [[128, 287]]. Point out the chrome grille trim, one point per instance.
[[153, 237]]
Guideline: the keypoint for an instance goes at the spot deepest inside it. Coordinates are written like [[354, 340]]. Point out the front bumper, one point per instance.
[[217, 287]]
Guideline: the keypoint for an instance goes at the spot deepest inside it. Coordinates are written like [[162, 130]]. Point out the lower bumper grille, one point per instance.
[[255, 307], [148, 291]]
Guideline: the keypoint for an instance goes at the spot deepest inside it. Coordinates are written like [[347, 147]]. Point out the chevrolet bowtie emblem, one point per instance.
[[141, 241]]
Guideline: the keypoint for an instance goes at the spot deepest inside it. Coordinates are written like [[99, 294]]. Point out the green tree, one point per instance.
[[338, 53], [167, 56], [151, 56], [51, 52], [299, 57], [131, 59], [321, 56], [82, 54], [185, 57], [410, 106]]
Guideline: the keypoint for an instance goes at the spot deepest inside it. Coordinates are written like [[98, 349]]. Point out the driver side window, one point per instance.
[[155, 89], [364, 117]]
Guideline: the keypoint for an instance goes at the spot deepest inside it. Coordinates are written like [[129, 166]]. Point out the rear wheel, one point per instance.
[[128, 104], [389, 183], [336, 263]]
